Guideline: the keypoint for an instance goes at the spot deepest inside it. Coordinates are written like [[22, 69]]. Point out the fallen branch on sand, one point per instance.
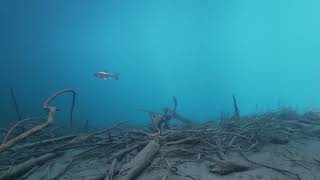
[[140, 162], [126, 154], [24, 167], [16, 125], [287, 172], [84, 138], [162, 120], [112, 170], [43, 142]]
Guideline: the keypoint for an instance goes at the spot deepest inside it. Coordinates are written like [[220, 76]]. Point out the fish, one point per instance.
[[106, 75]]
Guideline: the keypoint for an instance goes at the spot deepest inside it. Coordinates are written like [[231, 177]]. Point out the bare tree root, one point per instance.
[[133, 169], [51, 113]]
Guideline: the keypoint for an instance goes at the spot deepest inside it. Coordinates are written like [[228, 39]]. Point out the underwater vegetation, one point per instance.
[[35, 148]]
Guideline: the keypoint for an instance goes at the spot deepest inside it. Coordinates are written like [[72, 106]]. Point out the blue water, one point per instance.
[[201, 51]]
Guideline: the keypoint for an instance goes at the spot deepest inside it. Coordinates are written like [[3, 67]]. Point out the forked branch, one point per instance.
[[51, 112]]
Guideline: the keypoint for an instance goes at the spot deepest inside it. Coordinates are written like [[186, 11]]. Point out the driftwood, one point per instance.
[[112, 170], [162, 120], [87, 137], [181, 118], [51, 113], [133, 169], [15, 104], [43, 142], [119, 155], [24, 167], [15, 126], [236, 108], [51, 98], [128, 152], [282, 171]]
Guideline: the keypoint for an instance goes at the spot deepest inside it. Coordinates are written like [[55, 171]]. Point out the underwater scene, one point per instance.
[[159, 90]]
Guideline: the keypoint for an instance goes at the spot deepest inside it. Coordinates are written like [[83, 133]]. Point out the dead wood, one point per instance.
[[84, 138], [119, 155], [286, 172], [181, 118], [114, 169], [43, 142], [51, 113], [24, 167], [15, 104], [236, 108], [15, 126], [183, 141], [133, 169], [51, 98]]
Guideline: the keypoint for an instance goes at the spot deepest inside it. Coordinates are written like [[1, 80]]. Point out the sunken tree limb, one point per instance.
[[236, 108], [24, 167], [16, 107], [51, 113], [133, 169], [160, 119], [15, 126], [51, 98]]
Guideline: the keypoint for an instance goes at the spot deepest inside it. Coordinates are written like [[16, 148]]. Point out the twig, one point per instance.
[[24, 167], [16, 107], [282, 171], [51, 113], [16, 125], [236, 109], [174, 170], [43, 142], [51, 98], [84, 138]]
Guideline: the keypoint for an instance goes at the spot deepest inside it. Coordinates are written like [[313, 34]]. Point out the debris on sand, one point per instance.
[[211, 150]]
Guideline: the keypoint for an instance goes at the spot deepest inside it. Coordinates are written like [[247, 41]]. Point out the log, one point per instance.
[[24, 167], [133, 169]]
